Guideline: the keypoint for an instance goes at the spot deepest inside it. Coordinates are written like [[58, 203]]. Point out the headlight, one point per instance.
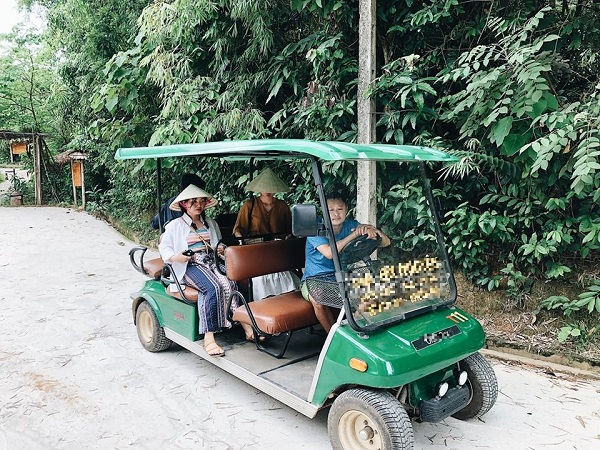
[[442, 389], [462, 378]]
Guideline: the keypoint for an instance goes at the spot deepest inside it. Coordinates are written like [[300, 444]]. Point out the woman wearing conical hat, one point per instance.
[[262, 215], [200, 234]]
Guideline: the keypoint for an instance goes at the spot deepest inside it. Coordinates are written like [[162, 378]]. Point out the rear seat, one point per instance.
[[280, 314], [152, 267]]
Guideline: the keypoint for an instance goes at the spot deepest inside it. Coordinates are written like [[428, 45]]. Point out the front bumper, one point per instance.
[[435, 410]]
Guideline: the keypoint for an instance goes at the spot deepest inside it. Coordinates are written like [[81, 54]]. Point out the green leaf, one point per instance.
[[111, 102], [590, 306], [538, 108], [512, 143], [275, 89], [564, 333], [501, 130], [551, 102]]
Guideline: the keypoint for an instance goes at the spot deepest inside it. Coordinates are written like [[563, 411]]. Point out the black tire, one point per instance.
[[368, 419], [483, 385], [151, 334]]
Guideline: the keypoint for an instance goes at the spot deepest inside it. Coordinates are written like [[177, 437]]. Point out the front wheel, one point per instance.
[[151, 334], [362, 419], [483, 385]]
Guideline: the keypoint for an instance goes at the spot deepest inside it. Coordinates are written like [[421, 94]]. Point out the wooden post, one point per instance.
[[37, 171], [366, 207], [82, 186]]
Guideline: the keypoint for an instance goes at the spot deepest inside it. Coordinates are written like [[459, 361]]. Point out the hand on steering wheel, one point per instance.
[[368, 230], [359, 248]]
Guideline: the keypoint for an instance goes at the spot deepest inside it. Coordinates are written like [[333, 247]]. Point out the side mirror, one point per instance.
[[304, 220]]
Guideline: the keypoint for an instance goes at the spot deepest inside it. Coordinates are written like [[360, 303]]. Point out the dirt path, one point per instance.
[[74, 376]]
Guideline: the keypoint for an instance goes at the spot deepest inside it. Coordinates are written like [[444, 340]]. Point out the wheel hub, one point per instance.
[[358, 431], [145, 326], [366, 433]]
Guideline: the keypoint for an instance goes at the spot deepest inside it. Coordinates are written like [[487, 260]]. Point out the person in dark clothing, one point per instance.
[[168, 214]]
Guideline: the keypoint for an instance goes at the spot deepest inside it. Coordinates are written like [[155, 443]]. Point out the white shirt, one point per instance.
[[174, 241]]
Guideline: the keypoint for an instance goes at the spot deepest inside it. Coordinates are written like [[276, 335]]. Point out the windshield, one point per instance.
[[408, 277]]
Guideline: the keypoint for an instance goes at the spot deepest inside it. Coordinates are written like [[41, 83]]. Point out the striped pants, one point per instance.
[[215, 290]]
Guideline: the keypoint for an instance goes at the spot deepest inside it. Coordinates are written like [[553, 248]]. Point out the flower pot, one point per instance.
[[16, 199]]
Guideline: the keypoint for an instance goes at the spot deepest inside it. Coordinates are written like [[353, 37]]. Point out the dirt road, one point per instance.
[[74, 376]]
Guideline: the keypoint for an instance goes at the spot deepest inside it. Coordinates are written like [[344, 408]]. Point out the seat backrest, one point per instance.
[[226, 221], [253, 260]]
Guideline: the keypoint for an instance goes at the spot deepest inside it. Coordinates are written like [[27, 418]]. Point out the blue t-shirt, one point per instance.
[[316, 263]]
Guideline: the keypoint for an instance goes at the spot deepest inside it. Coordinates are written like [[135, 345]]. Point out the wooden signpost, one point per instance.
[[77, 175]]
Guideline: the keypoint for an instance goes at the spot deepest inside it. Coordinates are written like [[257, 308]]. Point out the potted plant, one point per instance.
[[15, 192]]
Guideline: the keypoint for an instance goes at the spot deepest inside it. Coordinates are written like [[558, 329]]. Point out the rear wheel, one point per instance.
[[151, 334], [362, 419], [483, 385]]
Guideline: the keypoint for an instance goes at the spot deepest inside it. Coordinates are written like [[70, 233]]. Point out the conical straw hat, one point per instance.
[[267, 181], [192, 191]]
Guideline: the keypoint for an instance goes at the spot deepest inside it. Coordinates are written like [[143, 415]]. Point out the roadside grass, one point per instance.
[[529, 328]]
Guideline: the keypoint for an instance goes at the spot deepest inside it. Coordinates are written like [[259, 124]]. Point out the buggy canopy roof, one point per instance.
[[289, 148]]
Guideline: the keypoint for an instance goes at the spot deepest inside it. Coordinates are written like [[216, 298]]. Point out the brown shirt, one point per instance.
[[278, 220]]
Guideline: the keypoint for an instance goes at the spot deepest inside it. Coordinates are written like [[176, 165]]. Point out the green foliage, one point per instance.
[[518, 285], [580, 332], [407, 215], [587, 303], [557, 302], [511, 88], [568, 331], [590, 299], [27, 83], [17, 184]]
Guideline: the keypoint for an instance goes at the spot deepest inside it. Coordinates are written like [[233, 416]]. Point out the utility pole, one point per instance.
[[366, 188]]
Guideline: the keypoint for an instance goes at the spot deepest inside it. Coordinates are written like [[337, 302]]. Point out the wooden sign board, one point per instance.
[[18, 148], [76, 167]]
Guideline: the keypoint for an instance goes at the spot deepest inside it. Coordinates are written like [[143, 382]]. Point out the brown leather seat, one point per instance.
[[153, 268], [282, 313], [190, 293], [279, 314]]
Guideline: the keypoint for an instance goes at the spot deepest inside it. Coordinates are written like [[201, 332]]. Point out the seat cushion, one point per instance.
[[278, 314], [153, 267], [191, 294]]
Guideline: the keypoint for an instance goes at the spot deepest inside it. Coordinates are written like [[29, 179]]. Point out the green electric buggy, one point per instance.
[[400, 349]]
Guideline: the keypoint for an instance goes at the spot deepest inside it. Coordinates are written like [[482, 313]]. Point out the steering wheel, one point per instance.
[[359, 249]]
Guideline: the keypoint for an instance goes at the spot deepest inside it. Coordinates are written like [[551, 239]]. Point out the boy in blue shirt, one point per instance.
[[319, 257]]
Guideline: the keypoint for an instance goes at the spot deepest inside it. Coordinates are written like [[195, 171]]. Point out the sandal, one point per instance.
[[213, 349], [251, 338]]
